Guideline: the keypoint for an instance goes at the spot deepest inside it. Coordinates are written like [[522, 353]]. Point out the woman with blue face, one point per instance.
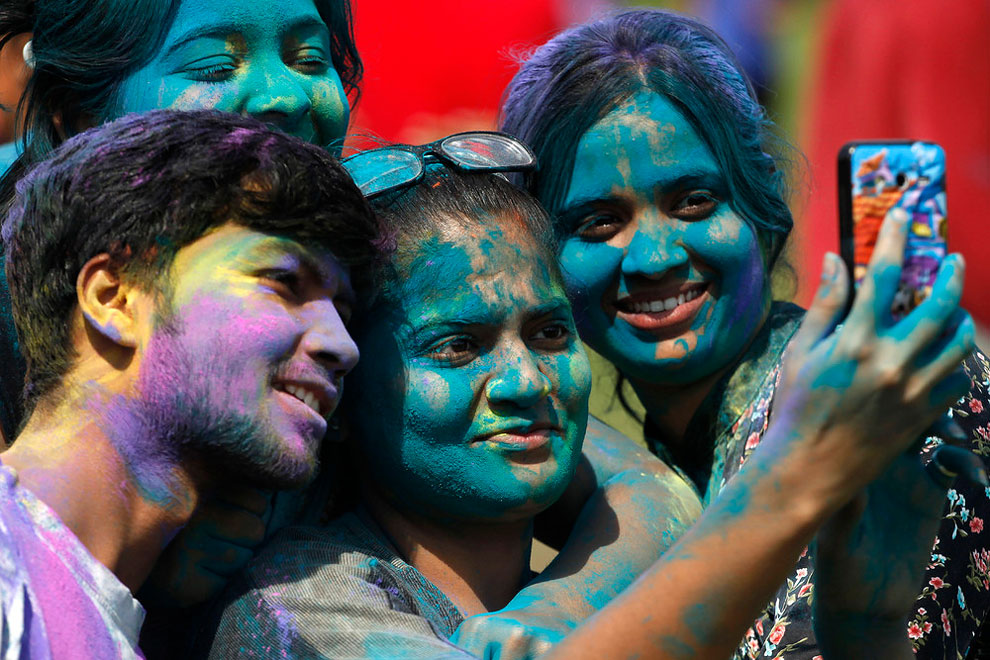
[[287, 62], [666, 187]]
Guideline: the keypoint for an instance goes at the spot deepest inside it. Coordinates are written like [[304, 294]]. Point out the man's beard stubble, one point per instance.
[[185, 411]]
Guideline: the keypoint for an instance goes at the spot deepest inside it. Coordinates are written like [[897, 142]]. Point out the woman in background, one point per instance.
[[667, 190]]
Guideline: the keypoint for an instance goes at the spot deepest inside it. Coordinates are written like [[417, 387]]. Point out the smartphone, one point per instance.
[[875, 177]]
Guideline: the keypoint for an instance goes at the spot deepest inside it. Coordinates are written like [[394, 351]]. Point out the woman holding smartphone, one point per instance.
[[658, 169]]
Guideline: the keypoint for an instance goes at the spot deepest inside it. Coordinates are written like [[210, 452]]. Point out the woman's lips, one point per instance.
[[520, 440], [663, 311]]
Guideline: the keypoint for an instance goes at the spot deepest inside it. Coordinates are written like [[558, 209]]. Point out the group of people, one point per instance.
[[192, 275]]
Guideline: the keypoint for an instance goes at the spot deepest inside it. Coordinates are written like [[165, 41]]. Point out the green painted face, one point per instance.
[[473, 393], [266, 58], [669, 283]]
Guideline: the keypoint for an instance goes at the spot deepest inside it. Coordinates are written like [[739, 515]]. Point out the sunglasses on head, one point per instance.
[[385, 169]]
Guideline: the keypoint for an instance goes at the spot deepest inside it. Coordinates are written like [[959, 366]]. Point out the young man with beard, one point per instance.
[[181, 283]]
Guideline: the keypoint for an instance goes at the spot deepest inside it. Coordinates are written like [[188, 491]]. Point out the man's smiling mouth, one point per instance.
[[320, 399]]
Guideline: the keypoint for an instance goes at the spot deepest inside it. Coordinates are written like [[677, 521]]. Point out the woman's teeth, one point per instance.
[[666, 304]]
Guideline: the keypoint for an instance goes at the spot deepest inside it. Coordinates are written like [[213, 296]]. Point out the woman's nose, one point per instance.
[[519, 382], [277, 97], [655, 248]]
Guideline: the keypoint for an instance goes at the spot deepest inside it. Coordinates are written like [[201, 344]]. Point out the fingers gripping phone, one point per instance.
[[875, 177]]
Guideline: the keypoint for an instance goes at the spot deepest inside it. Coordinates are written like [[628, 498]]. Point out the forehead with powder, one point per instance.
[[494, 243], [644, 141]]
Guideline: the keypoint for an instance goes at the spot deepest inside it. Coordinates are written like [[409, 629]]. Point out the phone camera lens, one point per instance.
[[901, 179]]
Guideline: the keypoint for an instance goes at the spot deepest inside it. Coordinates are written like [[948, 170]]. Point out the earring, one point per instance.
[[28, 54]]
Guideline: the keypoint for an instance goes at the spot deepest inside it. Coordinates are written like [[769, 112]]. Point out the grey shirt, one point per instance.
[[336, 591]]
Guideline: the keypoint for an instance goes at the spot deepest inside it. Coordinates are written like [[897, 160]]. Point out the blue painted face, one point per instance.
[[667, 281], [473, 392], [266, 58]]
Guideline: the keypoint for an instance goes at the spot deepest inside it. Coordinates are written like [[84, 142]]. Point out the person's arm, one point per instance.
[[629, 508]]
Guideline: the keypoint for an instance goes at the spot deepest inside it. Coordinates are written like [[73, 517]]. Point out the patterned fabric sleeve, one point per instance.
[[955, 594], [314, 598]]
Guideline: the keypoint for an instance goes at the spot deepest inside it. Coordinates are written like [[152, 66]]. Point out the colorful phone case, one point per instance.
[[875, 177]]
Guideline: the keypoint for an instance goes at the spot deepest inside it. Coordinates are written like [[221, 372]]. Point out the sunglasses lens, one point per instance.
[[484, 151], [383, 169]]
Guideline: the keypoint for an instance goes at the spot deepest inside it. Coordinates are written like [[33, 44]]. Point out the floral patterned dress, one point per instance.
[[955, 596]]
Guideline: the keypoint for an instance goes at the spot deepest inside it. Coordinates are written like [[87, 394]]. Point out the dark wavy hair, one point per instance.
[[84, 49], [578, 77], [142, 187]]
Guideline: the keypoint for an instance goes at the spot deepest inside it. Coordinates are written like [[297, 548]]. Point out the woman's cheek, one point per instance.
[[589, 269], [575, 377], [736, 254], [181, 95], [331, 111], [576, 389], [429, 393]]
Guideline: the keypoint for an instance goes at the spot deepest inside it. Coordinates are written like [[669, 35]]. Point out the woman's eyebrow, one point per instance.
[[681, 178], [223, 29], [556, 304], [308, 22], [212, 30]]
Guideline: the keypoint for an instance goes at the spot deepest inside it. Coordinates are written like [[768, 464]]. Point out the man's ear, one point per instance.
[[106, 303]]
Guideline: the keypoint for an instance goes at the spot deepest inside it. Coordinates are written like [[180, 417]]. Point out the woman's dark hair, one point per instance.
[[469, 200], [578, 77], [84, 49]]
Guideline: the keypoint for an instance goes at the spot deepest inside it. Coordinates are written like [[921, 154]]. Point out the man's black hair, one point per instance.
[[144, 186]]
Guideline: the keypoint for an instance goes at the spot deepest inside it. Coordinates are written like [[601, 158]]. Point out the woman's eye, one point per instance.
[[312, 61], [696, 205], [552, 336], [217, 72], [457, 350], [599, 227]]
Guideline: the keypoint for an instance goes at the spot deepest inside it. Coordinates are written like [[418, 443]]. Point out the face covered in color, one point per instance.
[[266, 58], [668, 282], [245, 360], [472, 399]]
